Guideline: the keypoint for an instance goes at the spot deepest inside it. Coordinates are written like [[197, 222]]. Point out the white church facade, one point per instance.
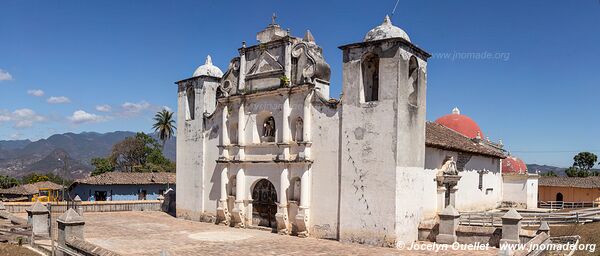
[[264, 144]]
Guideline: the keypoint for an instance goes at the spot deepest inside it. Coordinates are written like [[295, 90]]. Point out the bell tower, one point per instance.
[[382, 137], [195, 97]]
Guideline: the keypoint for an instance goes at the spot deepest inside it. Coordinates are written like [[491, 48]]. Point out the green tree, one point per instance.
[[34, 177], [101, 165], [164, 125], [140, 153], [585, 161], [8, 182]]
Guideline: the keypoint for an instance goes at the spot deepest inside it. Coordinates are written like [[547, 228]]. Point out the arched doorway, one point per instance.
[[264, 208], [559, 197]]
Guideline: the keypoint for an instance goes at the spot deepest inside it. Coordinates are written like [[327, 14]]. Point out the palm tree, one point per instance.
[[164, 125]]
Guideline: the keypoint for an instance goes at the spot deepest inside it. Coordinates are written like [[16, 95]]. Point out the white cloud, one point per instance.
[[5, 76], [25, 118], [104, 108], [134, 108], [16, 136], [81, 116], [36, 93], [58, 100]]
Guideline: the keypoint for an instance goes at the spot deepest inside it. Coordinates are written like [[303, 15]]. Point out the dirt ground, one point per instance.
[[15, 250], [590, 234]]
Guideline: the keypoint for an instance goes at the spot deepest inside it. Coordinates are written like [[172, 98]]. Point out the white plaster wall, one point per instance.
[[325, 171], [515, 189], [468, 196], [532, 192]]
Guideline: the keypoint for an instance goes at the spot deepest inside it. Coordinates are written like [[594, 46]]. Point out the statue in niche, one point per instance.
[[269, 129], [299, 130], [449, 167]]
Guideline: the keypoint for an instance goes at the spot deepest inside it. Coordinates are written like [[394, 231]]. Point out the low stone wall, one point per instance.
[[79, 247], [97, 206]]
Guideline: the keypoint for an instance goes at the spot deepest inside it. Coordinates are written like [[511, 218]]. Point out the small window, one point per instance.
[[191, 104], [413, 81], [370, 73], [481, 181]]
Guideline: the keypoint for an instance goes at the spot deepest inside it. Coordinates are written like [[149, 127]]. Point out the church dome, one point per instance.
[[208, 69], [386, 30], [461, 124], [513, 165]]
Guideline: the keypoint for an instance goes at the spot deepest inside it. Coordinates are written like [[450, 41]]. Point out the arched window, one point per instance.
[[370, 78], [191, 103], [413, 81], [268, 133]]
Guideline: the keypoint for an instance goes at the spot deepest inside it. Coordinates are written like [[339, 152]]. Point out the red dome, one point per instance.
[[461, 124], [513, 165]]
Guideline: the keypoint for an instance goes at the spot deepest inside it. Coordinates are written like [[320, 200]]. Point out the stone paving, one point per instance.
[[150, 233]]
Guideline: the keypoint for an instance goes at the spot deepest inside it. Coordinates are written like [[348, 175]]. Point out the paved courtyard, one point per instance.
[[150, 233]]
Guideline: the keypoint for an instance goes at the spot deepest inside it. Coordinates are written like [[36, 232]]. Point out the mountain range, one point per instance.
[[66, 154]]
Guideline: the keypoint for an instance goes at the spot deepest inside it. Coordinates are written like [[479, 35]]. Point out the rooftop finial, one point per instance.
[[273, 17], [208, 60], [387, 21], [308, 37], [456, 111]]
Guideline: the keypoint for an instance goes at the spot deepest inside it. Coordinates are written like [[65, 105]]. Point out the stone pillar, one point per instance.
[[302, 217], [544, 228], [285, 127], [224, 140], [78, 205], [452, 190], [449, 218], [38, 216], [242, 77], [223, 216], [70, 225], [511, 226], [288, 61], [283, 224], [240, 130], [238, 212], [306, 118], [441, 198]]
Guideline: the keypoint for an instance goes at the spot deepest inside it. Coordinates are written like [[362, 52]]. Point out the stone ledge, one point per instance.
[[88, 248]]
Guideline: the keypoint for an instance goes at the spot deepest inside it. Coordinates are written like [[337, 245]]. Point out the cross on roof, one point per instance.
[[273, 17]]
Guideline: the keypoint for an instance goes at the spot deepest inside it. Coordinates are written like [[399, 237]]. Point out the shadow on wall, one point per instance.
[[168, 204]]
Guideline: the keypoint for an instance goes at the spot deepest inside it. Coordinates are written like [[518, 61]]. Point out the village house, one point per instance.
[[264, 144], [123, 186], [25, 192], [570, 191]]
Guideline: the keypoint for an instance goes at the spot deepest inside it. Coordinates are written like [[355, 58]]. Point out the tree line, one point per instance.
[[582, 166], [139, 153]]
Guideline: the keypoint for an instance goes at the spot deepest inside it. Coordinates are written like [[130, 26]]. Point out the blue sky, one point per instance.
[[109, 65]]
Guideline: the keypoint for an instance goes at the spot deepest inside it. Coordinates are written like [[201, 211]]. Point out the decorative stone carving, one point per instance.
[[223, 215], [229, 83], [237, 215], [269, 129], [309, 63], [264, 64], [449, 167], [282, 218], [449, 182], [302, 222]]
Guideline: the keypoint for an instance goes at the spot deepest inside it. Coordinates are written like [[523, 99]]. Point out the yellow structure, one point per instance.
[[45, 195], [569, 189]]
